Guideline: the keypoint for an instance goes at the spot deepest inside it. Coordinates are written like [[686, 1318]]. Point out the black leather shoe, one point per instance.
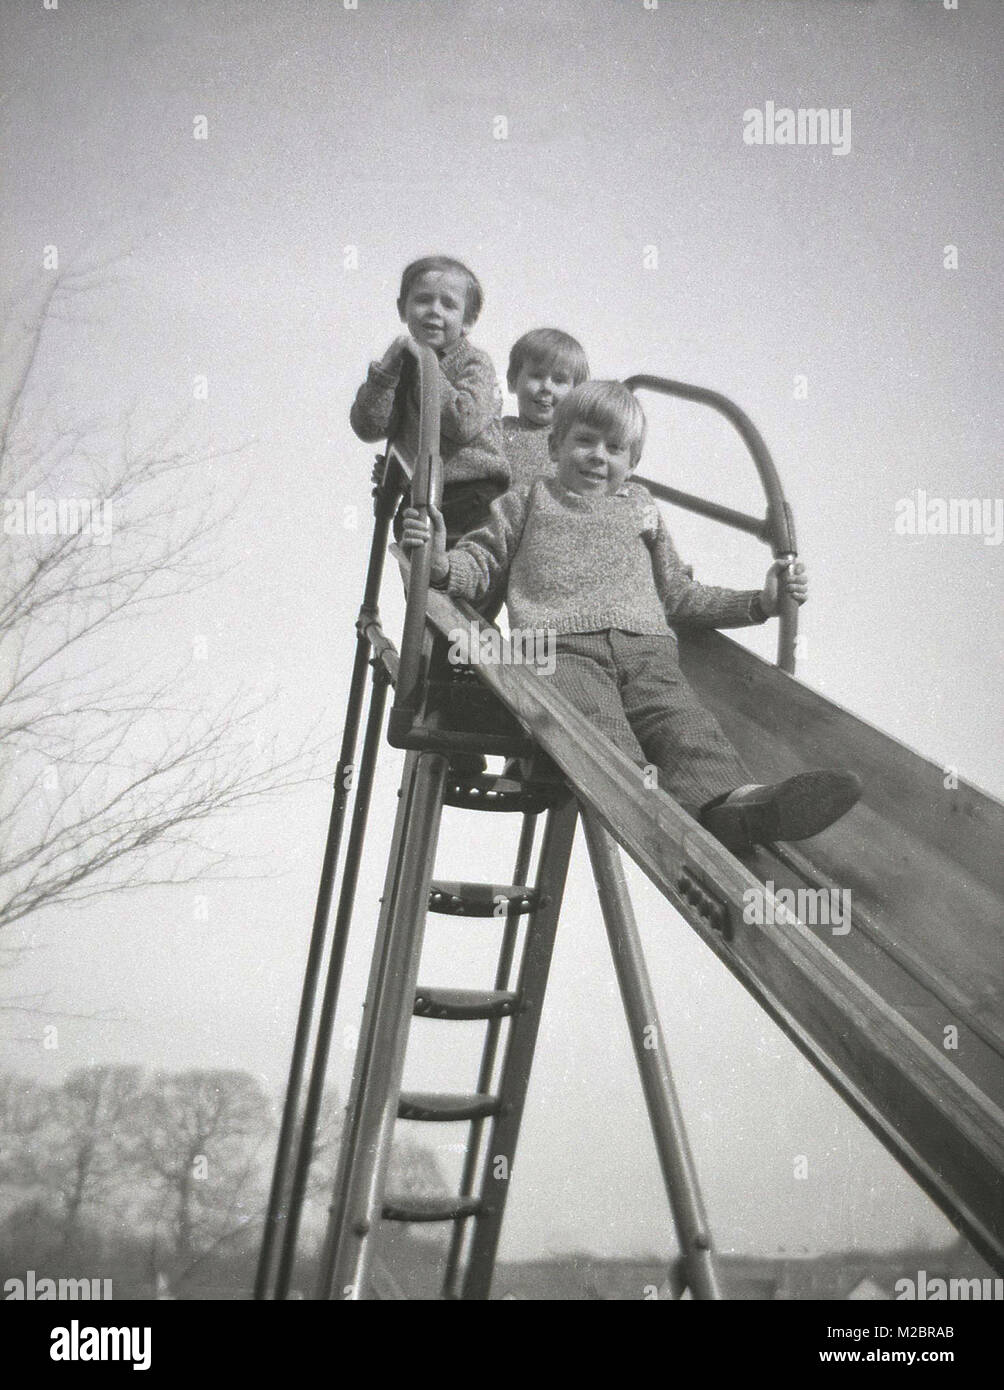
[[790, 810]]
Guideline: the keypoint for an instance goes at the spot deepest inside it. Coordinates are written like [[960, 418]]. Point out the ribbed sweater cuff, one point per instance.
[[377, 376], [738, 612], [463, 577], [756, 613]]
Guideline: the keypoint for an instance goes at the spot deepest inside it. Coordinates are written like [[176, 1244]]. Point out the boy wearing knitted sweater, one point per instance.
[[544, 365], [439, 301], [588, 558]]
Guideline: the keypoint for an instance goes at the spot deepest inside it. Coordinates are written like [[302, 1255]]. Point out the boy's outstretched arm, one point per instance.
[[705, 605], [480, 559]]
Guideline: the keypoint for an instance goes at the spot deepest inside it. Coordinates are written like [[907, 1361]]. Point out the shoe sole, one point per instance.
[[800, 807]]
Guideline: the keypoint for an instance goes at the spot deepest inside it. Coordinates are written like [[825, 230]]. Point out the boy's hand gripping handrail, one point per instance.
[[426, 487], [777, 529]]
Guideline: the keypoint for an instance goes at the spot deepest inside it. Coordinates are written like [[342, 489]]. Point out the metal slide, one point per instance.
[[904, 1012], [875, 946]]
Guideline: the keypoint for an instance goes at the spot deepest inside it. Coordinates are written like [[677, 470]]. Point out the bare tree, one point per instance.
[[69, 1145], [201, 1141], [98, 1103], [106, 777], [23, 1107]]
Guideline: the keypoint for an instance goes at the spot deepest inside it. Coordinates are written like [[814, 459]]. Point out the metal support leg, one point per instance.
[[275, 1215], [500, 1151], [358, 1195], [678, 1171], [287, 1130]]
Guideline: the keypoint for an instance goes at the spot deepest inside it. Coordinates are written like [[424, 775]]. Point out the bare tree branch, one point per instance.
[[106, 777]]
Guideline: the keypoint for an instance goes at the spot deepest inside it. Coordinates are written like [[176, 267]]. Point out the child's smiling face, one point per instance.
[[590, 461], [436, 308], [538, 388]]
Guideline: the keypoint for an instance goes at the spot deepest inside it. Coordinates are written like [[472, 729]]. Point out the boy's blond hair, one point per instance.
[[548, 347], [606, 405]]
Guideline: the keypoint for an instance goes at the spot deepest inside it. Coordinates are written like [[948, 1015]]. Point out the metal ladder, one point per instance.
[[349, 1267], [394, 995]]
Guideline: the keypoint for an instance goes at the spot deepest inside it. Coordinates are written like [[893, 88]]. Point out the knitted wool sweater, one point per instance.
[[583, 564], [526, 449], [470, 431]]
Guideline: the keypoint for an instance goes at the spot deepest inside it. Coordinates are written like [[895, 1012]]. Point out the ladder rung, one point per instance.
[[429, 1105], [500, 794], [464, 1003], [481, 899], [430, 1208]]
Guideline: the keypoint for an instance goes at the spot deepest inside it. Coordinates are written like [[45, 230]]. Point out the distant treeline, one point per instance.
[[154, 1181]]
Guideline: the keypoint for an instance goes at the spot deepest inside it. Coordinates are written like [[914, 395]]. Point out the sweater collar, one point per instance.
[[569, 498], [514, 423], [459, 347]]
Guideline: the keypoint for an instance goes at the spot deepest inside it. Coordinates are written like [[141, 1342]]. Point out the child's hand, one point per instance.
[[786, 577], [415, 534], [391, 360]]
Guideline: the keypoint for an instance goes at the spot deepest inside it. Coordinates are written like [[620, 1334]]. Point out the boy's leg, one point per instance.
[[702, 769], [696, 762], [585, 672]]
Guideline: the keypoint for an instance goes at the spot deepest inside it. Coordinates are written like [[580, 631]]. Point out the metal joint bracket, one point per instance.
[[366, 616], [380, 672]]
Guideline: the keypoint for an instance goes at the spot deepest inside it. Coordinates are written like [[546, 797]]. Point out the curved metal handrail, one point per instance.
[[777, 529], [426, 487]]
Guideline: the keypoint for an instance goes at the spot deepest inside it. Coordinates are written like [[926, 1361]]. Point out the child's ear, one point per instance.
[[552, 447], [400, 309]]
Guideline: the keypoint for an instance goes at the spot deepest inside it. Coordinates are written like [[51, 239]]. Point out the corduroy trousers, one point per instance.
[[630, 686]]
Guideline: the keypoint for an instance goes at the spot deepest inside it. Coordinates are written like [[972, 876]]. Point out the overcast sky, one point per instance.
[[374, 129]]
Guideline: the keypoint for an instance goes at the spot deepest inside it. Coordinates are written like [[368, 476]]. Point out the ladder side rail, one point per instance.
[[665, 1114], [347, 1139], [779, 526], [556, 850], [380, 1061], [489, 1053], [397, 465], [384, 505], [332, 986]]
